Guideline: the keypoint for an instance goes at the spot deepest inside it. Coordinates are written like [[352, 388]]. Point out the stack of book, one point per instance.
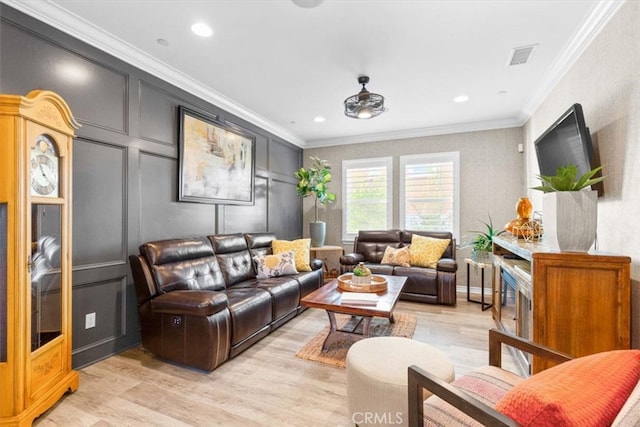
[[359, 298]]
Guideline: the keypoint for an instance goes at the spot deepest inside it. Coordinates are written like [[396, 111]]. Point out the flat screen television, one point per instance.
[[566, 141]]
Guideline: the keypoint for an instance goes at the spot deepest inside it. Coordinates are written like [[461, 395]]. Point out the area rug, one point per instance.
[[404, 326]]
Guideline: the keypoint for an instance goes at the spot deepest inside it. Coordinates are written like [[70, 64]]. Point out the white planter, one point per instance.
[[570, 219]]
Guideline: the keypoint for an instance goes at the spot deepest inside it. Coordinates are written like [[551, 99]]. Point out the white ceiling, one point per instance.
[[279, 65]]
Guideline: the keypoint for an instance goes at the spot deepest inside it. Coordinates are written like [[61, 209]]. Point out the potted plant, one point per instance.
[[312, 181], [481, 242], [570, 211]]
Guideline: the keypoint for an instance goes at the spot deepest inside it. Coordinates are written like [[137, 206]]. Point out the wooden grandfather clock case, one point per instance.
[[36, 134]]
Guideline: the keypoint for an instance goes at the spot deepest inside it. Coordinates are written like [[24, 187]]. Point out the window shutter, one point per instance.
[[366, 195]]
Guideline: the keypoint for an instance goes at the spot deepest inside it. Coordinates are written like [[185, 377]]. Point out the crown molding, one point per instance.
[[419, 132], [71, 24], [601, 14]]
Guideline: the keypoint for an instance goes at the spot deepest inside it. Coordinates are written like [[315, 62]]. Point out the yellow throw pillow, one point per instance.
[[426, 251], [396, 256], [301, 249]]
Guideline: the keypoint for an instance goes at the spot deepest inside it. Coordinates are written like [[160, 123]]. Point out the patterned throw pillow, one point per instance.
[[587, 391], [399, 256], [282, 264], [301, 249], [426, 251]]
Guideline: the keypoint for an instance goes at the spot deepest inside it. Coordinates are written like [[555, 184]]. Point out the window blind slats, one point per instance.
[[429, 192], [366, 195]]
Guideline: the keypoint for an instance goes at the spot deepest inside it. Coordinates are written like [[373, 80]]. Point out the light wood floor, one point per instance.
[[264, 386]]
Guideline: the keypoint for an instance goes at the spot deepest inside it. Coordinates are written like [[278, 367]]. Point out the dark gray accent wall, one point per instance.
[[125, 172]]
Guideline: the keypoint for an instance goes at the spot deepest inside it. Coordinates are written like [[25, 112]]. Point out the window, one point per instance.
[[366, 195], [429, 192]]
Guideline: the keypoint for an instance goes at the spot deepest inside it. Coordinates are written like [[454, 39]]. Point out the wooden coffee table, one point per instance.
[[329, 298]]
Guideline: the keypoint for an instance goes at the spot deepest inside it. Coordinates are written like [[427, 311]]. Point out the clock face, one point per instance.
[[45, 174]]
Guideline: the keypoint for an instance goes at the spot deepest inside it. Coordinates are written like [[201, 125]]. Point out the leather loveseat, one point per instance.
[[199, 300], [431, 285]]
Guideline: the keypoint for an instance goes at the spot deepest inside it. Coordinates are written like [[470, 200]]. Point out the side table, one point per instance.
[[330, 256], [481, 266]]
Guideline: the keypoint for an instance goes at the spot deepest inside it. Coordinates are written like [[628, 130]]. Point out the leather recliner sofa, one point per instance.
[[430, 285], [199, 300]]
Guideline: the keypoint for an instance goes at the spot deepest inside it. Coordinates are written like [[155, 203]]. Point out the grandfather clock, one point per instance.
[[36, 133]]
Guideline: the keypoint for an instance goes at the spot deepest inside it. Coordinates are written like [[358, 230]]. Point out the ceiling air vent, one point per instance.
[[520, 55]]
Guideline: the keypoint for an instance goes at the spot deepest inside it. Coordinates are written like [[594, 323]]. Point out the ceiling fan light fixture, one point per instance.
[[364, 105], [365, 113]]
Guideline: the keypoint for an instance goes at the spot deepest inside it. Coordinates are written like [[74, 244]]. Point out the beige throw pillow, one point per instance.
[[275, 265], [396, 256]]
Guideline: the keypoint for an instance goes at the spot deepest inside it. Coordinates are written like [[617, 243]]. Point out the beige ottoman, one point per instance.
[[377, 378]]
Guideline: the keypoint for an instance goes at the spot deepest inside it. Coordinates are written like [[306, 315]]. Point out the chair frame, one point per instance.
[[419, 379]]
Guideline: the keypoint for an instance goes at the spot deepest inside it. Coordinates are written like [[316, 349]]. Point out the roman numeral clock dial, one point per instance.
[[44, 168]]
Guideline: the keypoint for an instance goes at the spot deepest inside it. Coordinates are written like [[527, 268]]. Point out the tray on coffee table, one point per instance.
[[378, 284]]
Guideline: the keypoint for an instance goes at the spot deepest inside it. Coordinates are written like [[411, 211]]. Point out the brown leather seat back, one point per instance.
[[450, 252], [260, 243], [373, 243], [183, 264], [234, 258]]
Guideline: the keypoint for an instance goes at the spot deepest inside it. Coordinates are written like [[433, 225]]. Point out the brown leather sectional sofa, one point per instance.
[[436, 286], [200, 303]]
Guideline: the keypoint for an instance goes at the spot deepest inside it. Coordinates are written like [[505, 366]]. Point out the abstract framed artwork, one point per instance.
[[216, 161]]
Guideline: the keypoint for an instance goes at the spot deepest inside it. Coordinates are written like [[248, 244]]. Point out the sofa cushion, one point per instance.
[[372, 243], [300, 247], [259, 243], [588, 391], [282, 264], [251, 311], [183, 264], [233, 257], [194, 303], [285, 295], [396, 256], [487, 384], [426, 251]]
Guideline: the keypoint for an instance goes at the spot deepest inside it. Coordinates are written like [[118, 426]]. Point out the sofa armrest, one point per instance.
[[419, 379], [316, 264], [447, 264], [351, 259], [188, 302]]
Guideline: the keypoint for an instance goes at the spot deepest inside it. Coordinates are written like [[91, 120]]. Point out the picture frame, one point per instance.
[[216, 161]]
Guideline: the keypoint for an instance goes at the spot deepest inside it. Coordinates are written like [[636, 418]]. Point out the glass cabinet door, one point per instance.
[[46, 295]]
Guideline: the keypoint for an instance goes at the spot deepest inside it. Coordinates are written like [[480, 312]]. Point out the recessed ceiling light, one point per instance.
[[201, 29], [162, 42], [318, 119], [307, 4], [461, 98], [502, 92]]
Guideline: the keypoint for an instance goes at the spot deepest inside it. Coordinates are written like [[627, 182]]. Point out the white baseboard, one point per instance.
[[474, 290]]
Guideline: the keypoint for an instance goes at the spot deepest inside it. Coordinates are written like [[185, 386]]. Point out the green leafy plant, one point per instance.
[[482, 241], [313, 182], [566, 179]]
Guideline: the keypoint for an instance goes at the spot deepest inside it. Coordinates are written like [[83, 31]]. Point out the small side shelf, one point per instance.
[[330, 256], [485, 305]]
